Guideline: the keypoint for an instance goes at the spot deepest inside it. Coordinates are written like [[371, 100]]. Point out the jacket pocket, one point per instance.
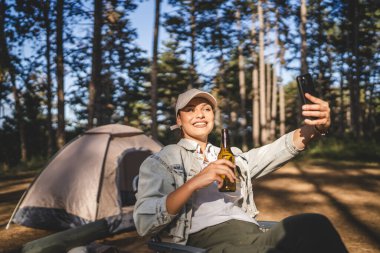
[[178, 174], [149, 207]]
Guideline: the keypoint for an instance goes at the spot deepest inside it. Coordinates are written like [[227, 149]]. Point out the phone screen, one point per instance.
[[306, 85]]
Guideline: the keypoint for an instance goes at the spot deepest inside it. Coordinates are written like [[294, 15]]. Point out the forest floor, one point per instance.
[[348, 193]]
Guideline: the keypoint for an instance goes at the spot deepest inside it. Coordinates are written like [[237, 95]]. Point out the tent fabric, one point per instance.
[[89, 179]]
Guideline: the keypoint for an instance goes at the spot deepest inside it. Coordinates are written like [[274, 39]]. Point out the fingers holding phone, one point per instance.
[[317, 113], [315, 110]]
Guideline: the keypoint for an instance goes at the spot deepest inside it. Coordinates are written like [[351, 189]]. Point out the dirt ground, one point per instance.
[[346, 192]]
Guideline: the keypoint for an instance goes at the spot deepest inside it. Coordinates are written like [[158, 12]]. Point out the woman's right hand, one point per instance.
[[214, 172]]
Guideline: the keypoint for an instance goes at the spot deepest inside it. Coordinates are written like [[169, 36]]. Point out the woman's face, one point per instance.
[[196, 119]]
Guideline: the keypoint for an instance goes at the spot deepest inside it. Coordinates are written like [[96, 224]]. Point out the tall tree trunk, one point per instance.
[[303, 16], [221, 79], [354, 85], [255, 87], [60, 76], [50, 136], [5, 63], [95, 83], [193, 44], [276, 89], [274, 106], [154, 73], [255, 105], [371, 119], [19, 117], [268, 91], [242, 87], [264, 134], [6, 67], [341, 123], [282, 110], [304, 66]]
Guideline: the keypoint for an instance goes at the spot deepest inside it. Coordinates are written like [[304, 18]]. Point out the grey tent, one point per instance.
[[90, 178]]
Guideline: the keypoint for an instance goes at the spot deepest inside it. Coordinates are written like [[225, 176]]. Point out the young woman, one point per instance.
[[178, 193]]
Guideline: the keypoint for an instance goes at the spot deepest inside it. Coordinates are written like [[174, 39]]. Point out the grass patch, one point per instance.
[[31, 166], [345, 149]]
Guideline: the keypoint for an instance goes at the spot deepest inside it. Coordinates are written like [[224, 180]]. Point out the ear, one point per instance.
[[179, 121]]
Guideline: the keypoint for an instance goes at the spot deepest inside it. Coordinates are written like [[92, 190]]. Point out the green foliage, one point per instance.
[[33, 166], [342, 54], [346, 149], [292, 106], [173, 79]]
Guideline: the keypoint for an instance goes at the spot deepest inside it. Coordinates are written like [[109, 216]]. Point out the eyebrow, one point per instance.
[[194, 105]]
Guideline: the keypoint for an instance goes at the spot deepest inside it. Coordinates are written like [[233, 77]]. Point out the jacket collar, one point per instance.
[[193, 146], [188, 144]]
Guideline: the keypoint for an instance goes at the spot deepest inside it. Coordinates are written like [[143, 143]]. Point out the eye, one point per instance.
[[207, 109], [188, 109]]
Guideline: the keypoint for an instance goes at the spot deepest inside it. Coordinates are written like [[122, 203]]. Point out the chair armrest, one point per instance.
[[174, 247]]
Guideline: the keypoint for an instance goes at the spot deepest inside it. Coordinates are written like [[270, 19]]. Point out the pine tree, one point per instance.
[[173, 78]]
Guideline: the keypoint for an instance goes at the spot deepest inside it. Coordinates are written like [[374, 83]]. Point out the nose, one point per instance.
[[199, 113]]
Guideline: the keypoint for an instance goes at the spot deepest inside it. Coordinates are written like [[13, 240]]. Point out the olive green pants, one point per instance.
[[305, 233]]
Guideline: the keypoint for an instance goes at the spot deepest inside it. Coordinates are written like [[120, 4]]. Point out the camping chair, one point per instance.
[[158, 246], [162, 247]]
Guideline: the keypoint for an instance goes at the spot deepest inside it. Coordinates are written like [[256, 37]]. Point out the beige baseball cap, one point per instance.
[[184, 99]]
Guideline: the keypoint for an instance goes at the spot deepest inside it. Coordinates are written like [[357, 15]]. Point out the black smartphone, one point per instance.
[[306, 85]]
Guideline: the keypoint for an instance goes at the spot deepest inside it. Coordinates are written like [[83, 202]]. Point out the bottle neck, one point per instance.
[[225, 143]]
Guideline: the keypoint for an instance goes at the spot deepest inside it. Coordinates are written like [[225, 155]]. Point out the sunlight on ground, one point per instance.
[[347, 193]]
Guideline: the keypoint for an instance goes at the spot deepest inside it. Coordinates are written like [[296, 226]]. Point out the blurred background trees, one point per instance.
[[66, 66]]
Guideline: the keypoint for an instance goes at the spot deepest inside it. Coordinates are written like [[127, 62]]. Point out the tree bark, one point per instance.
[[268, 91], [6, 67], [49, 134], [60, 76], [4, 54], [355, 76], [95, 83], [282, 110], [193, 44], [303, 16], [242, 87], [154, 72], [281, 57], [221, 79], [255, 106], [19, 117], [274, 106], [264, 135], [255, 86]]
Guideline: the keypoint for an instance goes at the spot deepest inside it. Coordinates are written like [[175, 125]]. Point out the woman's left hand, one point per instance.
[[318, 113]]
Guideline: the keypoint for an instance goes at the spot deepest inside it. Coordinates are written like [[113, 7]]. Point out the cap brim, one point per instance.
[[199, 94]]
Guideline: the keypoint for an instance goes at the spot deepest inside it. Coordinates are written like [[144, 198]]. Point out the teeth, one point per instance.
[[200, 124]]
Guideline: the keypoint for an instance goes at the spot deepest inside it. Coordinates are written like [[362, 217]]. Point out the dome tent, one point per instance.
[[91, 178]]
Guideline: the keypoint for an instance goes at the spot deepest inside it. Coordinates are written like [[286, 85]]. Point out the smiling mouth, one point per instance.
[[200, 124]]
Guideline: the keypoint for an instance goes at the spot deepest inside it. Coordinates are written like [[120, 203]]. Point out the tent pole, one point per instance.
[[16, 209], [100, 186]]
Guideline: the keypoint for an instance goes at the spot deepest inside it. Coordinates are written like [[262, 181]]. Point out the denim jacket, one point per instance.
[[165, 171]]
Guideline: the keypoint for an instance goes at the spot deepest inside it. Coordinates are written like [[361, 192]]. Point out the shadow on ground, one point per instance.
[[347, 193]]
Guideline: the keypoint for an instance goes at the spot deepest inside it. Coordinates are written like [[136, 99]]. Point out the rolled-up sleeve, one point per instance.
[[155, 183], [270, 157]]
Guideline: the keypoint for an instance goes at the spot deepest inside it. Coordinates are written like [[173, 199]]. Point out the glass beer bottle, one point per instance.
[[225, 153]]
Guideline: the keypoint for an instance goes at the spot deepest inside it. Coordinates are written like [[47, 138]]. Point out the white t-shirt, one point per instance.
[[211, 207]]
